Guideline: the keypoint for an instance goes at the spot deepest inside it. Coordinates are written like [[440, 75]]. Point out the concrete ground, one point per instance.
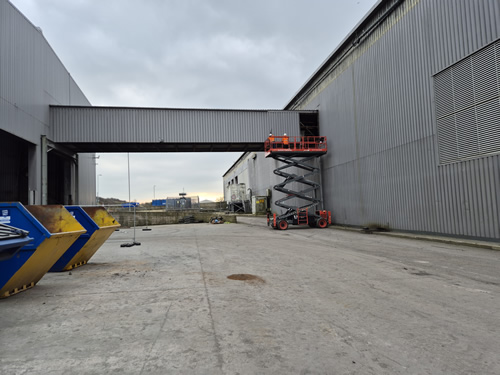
[[323, 301]]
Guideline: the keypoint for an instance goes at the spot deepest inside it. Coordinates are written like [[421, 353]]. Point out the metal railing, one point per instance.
[[295, 144]]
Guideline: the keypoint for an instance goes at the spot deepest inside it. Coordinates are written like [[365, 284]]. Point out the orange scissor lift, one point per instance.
[[297, 152]]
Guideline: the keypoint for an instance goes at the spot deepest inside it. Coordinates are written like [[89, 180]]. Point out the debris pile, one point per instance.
[[216, 220]]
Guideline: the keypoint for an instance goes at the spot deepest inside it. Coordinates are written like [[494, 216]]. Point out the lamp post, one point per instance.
[[128, 163], [97, 195]]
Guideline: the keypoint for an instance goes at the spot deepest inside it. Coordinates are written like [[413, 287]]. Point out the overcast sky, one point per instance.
[[226, 54]]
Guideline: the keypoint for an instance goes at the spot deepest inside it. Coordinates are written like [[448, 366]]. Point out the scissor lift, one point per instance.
[[298, 152]]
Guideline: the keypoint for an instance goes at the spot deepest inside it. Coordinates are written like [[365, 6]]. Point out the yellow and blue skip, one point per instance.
[[53, 230], [99, 225]]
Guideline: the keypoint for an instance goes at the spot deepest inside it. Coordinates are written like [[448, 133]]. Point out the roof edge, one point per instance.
[[180, 109], [242, 156]]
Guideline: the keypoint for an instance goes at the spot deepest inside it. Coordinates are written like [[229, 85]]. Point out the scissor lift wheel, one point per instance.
[[322, 223], [283, 225]]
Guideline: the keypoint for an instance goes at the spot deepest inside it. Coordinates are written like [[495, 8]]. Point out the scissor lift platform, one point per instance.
[[295, 146], [297, 152]]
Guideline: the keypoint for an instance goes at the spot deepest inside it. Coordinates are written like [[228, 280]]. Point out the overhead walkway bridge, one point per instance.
[[87, 129], [123, 129]]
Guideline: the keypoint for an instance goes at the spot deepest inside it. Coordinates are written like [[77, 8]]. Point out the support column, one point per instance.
[[44, 158], [77, 180], [33, 175]]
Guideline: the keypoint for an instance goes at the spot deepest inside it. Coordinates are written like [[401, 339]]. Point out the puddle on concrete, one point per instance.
[[246, 277]]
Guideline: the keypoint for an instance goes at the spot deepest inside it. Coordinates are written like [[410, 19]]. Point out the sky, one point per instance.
[[223, 54]]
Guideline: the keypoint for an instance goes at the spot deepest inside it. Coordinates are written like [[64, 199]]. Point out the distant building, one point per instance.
[[159, 203]]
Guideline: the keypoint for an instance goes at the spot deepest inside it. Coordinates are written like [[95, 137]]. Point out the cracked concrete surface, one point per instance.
[[326, 302]]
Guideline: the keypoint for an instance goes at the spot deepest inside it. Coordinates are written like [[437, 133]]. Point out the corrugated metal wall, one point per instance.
[[152, 125], [377, 110], [86, 178], [31, 78]]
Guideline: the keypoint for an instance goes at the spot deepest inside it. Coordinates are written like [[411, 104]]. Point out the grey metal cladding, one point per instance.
[[151, 125], [383, 162], [31, 77]]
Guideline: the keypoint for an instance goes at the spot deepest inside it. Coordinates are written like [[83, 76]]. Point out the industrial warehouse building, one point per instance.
[[409, 103], [33, 170]]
